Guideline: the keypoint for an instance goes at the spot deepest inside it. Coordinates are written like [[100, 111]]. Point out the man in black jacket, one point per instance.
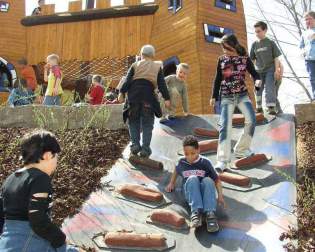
[[143, 78]]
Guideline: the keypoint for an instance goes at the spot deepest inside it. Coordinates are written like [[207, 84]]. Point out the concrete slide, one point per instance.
[[254, 219]]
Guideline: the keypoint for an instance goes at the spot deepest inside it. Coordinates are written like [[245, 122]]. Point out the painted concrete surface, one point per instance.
[[255, 217]]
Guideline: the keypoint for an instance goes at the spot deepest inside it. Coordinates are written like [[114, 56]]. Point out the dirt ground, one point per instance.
[[305, 234], [306, 149], [86, 156]]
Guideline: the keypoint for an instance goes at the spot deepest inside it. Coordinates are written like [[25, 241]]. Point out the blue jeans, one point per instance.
[[141, 117], [217, 107], [52, 100], [268, 83], [228, 105], [200, 195], [310, 67], [18, 236]]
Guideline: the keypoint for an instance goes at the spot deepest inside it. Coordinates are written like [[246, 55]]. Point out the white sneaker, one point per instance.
[[222, 166], [243, 154]]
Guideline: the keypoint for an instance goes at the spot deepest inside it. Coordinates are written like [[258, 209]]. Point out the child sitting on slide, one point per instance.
[[200, 185]]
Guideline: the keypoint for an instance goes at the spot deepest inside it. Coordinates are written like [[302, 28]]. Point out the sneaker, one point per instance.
[[272, 111], [195, 220], [243, 154], [222, 166], [212, 223], [134, 149], [259, 110]]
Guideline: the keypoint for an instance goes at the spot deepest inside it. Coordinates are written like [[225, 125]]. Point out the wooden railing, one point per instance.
[[75, 6]]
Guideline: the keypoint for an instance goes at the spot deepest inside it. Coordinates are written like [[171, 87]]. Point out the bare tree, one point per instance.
[[295, 10]]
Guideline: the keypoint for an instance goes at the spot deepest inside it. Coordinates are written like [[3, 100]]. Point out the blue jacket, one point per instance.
[[20, 97], [308, 44]]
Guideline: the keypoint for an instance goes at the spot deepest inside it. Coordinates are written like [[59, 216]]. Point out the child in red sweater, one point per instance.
[[96, 93]]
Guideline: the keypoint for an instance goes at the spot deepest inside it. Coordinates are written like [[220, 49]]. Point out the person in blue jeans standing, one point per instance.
[[143, 78], [265, 54], [308, 47], [230, 86], [25, 200], [200, 184]]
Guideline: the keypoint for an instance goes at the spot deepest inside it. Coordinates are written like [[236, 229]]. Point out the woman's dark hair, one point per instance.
[[232, 41], [36, 143], [262, 25], [191, 141]]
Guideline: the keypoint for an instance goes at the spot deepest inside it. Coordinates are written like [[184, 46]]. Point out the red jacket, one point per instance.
[[96, 94]]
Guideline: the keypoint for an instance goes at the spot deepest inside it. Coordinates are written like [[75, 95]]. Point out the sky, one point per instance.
[[62, 5], [290, 92]]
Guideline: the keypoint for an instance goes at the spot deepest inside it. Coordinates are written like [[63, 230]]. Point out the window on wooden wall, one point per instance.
[[213, 33], [90, 4], [147, 1], [175, 5], [226, 4], [170, 65], [4, 6]]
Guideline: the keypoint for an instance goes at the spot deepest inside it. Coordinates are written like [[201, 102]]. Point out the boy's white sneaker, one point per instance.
[[243, 154], [222, 166]]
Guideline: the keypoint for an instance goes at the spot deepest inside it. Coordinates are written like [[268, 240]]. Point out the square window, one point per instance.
[[226, 4], [90, 4], [4, 6], [175, 5], [213, 33]]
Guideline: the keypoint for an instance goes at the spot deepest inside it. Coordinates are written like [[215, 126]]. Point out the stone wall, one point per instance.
[[109, 116]]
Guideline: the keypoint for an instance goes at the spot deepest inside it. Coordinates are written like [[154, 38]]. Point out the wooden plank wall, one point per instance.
[[12, 38], [47, 9], [175, 35], [180, 34], [75, 6], [117, 37], [209, 52], [132, 2]]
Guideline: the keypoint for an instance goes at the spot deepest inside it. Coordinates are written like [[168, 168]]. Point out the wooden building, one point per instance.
[[181, 31]]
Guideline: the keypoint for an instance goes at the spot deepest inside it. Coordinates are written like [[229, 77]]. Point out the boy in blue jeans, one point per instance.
[[200, 185], [265, 53]]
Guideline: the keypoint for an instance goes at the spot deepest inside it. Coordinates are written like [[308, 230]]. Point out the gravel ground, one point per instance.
[[305, 234]]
